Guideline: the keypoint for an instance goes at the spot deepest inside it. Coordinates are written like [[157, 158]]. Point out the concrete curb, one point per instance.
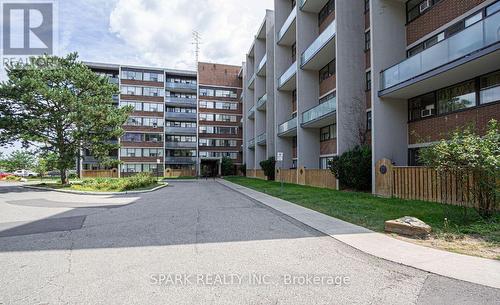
[[472, 269], [41, 188]]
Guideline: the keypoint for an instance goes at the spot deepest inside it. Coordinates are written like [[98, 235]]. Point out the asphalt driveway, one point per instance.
[[192, 243]]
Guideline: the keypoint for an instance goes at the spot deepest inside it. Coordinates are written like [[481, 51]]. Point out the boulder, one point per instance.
[[409, 226]]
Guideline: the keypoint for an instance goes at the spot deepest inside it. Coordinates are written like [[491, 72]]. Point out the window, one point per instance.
[[228, 93], [368, 120], [150, 107], [473, 19], [136, 105], [152, 152], [181, 124], [456, 97], [179, 80], [181, 153], [294, 52], [324, 162], [327, 98], [132, 137], [328, 133], [490, 88], [415, 8], [326, 11], [131, 152], [414, 157], [422, 106], [189, 139], [218, 142], [181, 110], [367, 6], [368, 80], [153, 137], [327, 71], [495, 7], [367, 41]]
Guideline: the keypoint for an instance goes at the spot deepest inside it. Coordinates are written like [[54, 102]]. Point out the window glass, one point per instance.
[[367, 40], [369, 120], [422, 106], [456, 97], [471, 20], [490, 88], [495, 7], [325, 162], [369, 80]]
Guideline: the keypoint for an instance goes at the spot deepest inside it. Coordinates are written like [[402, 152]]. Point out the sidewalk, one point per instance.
[[462, 267]]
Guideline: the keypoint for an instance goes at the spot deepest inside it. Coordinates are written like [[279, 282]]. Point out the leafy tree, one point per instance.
[[19, 159], [353, 168], [46, 163], [61, 107], [227, 167], [269, 168], [470, 158]]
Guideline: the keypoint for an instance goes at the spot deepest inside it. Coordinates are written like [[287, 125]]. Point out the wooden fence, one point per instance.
[[318, 178], [112, 173], [259, 174], [173, 173], [422, 183], [288, 175]]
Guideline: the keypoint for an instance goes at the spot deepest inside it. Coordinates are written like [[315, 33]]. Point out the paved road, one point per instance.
[[192, 243]]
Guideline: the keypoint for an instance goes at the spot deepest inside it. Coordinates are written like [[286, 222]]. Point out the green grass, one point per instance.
[[371, 212]]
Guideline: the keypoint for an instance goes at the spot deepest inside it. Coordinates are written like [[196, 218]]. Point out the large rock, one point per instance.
[[407, 225]]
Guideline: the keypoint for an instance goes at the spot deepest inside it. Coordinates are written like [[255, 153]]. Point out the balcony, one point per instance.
[[251, 144], [261, 103], [175, 145], [321, 51], [114, 80], [261, 69], [181, 101], [180, 116], [286, 35], [287, 79], [180, 160], [321, 115], [180, 130], [467, 54], [251, 113], [288, 129], [251, 82], [181, 87], [312, 6], [262, 139]]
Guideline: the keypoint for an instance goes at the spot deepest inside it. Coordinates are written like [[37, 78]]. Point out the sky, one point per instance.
[[159, 32]]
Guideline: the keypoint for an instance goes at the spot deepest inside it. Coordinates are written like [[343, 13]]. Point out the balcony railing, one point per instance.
[[289, 73], [251, 81], [288, 23], [180, 115], [180, 145], [470, 40], [251, 112], [261, 139], [325, 37], [181, 101], [251, 143], [262, 63], [188, 86], [180, 160], [262, 101], [319, 111], [180, 130], [288, 126]]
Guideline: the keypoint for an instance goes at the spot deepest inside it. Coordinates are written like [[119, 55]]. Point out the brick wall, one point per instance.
[[326, 22], [440, 14], [219, 75], [435, 129], [328, 147], [327, 85]]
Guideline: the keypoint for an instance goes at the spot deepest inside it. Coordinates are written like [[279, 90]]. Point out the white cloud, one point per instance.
[[161, 31]]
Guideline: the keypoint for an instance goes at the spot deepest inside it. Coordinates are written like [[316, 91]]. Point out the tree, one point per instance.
[[269, 168], [227, 167], [474, 161], [46, 163], [61, 107], [353, 168], [19, 159]]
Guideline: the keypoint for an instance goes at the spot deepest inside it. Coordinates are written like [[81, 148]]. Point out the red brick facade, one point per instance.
[[327, 85], [328, 147], [219, 75], [440, 14], [437, 128]]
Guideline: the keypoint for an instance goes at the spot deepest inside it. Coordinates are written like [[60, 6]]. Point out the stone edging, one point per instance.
[[42, 188]]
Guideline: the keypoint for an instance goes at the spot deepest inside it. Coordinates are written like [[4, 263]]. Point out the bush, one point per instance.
[[354, 168], [269, 167], [243, 169], [227, 166], [13, 178], [141, 180]]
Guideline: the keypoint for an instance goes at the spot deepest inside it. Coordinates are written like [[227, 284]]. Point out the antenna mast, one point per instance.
[[196, 42]]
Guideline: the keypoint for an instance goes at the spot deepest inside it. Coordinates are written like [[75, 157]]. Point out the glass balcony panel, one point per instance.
[[472, 39], [289, 73], [261, 138], [288, 125], [320, 110], [288, 22], [319, 43], [262, 101], [262, 63]]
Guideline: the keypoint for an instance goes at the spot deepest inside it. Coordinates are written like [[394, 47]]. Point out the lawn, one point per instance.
[[371, 212]]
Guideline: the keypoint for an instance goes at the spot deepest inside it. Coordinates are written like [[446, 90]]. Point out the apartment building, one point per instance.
[[161, 134], [220, 110], [397, 75]]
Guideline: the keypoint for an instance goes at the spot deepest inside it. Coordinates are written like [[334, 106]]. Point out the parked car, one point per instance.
[[25, 173]]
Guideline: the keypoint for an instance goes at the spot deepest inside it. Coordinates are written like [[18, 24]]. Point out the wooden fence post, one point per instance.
[[384, 178]]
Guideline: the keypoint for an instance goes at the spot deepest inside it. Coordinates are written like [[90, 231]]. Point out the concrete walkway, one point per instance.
[[462, 267]]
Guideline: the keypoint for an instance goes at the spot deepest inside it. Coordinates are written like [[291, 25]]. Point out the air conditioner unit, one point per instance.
[[425, 5], [428, 111], [154, 140]]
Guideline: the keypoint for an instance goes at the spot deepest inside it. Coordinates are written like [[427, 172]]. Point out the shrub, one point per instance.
[[138, 181], [469, 155], [13, 178], [353, 168], [268, 166], [243, 169], [227, 166]]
